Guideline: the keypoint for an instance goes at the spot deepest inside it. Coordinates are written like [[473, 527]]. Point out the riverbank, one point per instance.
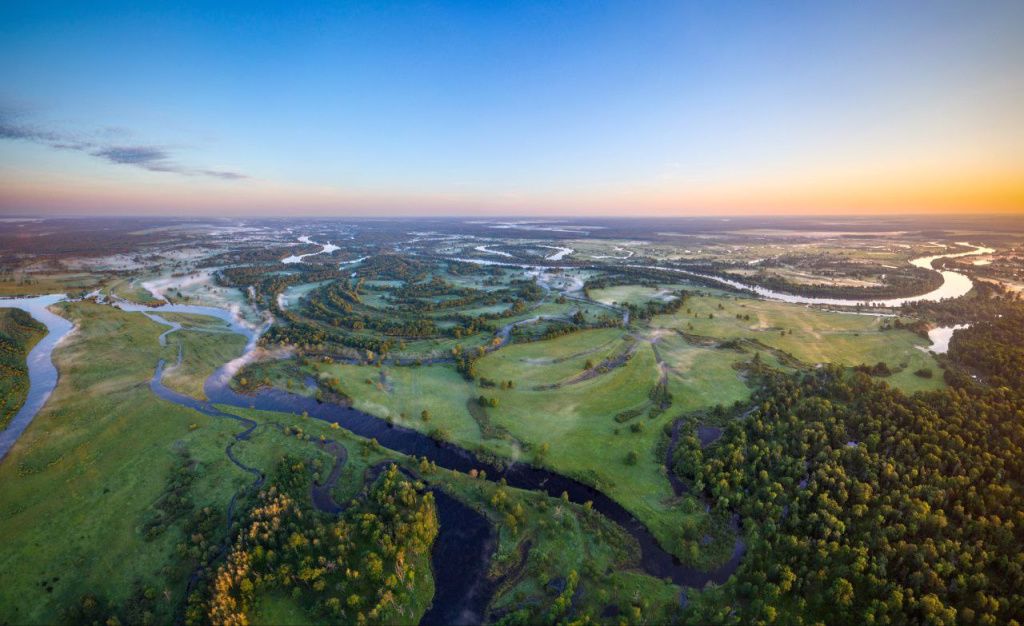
[[19, 333]]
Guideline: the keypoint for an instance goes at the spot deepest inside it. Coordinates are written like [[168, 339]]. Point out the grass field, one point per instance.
[[635, 294], [201, 353], [76, 448], [700, 377], [548, 362], [204, 343], [130, 289], [73, 494], [810, 335], [577, 425], [571, 429], [26, 284], [278, 608], [403, 393]]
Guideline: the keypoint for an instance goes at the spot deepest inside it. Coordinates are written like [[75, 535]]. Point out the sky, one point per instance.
[[511, 108]]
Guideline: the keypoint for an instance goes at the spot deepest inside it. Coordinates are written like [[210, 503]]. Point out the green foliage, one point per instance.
[[866, 506], [175, 502], [359, 568], [19, 331]]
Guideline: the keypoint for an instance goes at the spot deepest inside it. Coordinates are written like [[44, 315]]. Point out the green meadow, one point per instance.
[[74, 497], [810, 335], [556, 414]]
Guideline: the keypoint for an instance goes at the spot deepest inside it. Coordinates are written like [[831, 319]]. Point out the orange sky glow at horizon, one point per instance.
[[532, 109]]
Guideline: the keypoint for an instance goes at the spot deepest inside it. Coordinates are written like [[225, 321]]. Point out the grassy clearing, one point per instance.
[[403, 393], [130, 289], [634, 294], [528, 365], [193, 321], [700, 377], [573, 430], [201, 353], [276, 608], [282, 373], [809, 334], [31, 284], [294, 293]]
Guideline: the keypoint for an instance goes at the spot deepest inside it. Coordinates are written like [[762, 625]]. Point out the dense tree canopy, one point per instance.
[[865, 506]]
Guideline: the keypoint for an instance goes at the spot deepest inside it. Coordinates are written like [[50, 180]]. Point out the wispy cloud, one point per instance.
[[143, 156], [147, 157]]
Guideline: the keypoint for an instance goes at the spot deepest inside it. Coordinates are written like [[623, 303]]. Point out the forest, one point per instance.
[[865, 506]]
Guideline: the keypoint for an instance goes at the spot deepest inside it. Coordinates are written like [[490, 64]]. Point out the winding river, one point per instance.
[[653, 559], [954, 284], [451, 601], [42, 374], [327, 248]]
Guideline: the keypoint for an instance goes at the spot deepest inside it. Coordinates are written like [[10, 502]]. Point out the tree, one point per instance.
[[842, 592]]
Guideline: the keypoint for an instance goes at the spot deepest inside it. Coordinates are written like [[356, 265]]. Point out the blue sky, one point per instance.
[[522, 107]]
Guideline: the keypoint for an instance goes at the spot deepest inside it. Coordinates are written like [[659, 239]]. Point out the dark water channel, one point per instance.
[[466, 540], [654, 560]]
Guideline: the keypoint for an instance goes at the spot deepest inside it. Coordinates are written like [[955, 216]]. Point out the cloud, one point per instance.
[[10, 130], [222, 174], [143, 156], [151, 158]]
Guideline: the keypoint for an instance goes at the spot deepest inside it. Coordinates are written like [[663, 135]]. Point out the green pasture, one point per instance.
[[82, 479], [571, 429], [810, 335], [34, 284], [635, 294]]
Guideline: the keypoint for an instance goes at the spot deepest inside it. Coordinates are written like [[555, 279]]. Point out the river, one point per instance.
[[954, 284], [327, 248], [940, 338], [654, 560], [42, 374]]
